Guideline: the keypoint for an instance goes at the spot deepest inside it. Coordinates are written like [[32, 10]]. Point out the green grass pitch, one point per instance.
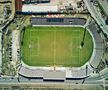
[[60, 46]]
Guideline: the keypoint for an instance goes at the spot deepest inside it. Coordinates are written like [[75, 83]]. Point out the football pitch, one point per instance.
[[60, 46]]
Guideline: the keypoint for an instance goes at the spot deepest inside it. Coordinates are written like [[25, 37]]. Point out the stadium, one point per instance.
[[54, 43], [52, 49], [58, 48]]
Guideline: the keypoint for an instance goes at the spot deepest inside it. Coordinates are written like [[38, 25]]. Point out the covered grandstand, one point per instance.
[[64, 73], [57, 21]]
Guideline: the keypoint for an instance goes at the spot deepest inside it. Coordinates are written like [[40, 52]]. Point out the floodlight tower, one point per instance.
[[82, 43]]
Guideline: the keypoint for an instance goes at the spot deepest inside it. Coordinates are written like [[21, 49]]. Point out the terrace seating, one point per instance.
[[98, 46], [27, 72]]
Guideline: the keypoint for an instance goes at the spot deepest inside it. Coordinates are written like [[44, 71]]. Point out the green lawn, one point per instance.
[[60, 46]]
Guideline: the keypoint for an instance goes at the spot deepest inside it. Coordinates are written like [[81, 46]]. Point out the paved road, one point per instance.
[[104, 5], [96, 15], [51, 87]]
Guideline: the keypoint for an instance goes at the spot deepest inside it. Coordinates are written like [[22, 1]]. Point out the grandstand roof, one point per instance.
[[34, 8], [57, 21], [60, 75]]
